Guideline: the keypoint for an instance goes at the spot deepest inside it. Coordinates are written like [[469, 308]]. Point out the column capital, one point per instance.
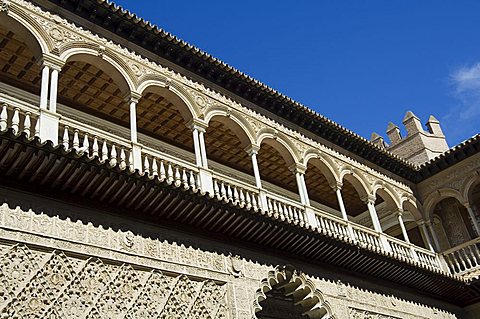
[[52, 61], [198, 125], [132, 97], [337, 186], [369, 199], [297, 168], [252, 149], [467, 205], [399, 213], [421, 222]]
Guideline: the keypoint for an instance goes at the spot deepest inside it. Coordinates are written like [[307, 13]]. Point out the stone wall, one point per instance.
[[63, 261]]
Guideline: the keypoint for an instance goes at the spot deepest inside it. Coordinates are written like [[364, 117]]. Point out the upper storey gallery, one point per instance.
[[153, 103]]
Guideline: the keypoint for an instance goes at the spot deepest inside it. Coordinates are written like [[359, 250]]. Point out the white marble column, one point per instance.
[[196, 147], [206, 178], [201, 139], [370, 201], [471, 213], [298, 177], [338, 191], [425, 235], [49, 119], [53, 91], [402, 226], [433, 234], [136, 147], [253, 151], [44, 87], [305, 190]]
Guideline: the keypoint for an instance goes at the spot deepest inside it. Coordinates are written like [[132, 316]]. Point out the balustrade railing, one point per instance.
[[366, 237], [463, 258], [169, 169], [93, 142], [242, 195], [285, 209], [332, 224], [401, 248], [19, 119], [23, 117]]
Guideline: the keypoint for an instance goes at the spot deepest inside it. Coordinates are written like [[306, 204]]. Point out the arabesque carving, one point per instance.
[[60, 287]]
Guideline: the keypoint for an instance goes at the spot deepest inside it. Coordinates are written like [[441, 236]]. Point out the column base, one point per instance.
[[311, 217], [48, 128], [206, 181], [137, 157]]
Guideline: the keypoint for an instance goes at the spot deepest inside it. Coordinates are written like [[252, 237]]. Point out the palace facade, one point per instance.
[[143, 178]]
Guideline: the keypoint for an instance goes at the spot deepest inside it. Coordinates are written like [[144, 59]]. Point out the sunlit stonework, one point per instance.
[[142, 178]]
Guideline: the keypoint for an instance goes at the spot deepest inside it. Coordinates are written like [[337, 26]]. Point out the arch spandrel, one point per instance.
[[295, 284]]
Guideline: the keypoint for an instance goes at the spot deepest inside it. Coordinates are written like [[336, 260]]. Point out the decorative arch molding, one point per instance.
[[410, 204], [172, 90], [38, 34], [280, 142], [387, 193], [237, 123], [88, 52], [434, 198], [327, 166], [296, 284], [355, 178], [468, 187]]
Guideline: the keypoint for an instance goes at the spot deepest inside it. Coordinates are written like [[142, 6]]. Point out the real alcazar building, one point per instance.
[[143, 178]]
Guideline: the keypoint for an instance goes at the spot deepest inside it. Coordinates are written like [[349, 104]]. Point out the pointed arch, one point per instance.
[[295, 284]]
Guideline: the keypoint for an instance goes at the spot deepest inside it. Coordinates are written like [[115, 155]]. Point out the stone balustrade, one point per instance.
[[463, 258]]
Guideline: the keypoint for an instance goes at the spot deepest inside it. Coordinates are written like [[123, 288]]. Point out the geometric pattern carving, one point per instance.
[[55, 289], [289, 282], [361, 314]]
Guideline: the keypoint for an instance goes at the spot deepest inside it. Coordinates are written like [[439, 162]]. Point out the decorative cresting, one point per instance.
[[296, 285], [54, 286]]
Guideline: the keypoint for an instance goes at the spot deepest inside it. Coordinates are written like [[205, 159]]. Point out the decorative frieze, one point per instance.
[[59, 286]]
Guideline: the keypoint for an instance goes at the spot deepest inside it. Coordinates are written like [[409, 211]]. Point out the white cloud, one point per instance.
[[467, 78], [466, 83]]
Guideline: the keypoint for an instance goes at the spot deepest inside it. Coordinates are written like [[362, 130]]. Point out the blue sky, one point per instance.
[[360, 63]]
